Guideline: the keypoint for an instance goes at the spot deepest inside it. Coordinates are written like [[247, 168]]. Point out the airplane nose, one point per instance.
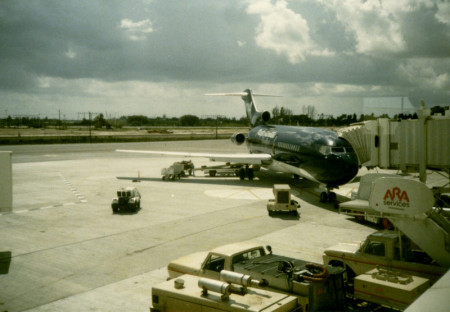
[[350, 167], [345, 168]]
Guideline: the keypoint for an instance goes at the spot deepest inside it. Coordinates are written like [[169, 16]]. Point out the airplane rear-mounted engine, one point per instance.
[[238, 138], [265, 116]]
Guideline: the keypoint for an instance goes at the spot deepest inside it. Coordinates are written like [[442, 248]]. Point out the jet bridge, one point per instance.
[[409, 145]]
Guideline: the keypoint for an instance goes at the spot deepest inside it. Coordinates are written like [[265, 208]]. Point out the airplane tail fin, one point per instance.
[[253, 114]]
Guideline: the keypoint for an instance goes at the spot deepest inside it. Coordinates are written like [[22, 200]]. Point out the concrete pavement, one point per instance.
[[69, 252]]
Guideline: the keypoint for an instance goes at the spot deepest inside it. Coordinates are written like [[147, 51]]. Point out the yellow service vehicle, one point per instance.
[[232, 293], [282, 201], [317, 287]]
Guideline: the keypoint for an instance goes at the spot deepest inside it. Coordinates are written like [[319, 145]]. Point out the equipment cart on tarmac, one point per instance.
[[282, 201], [127, 198]]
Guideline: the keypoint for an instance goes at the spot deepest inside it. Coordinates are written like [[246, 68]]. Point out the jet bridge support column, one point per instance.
[[423, 115], [6, 197]]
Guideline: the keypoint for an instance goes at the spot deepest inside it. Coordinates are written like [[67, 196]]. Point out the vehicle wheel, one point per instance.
[[350, 279], [242, 174], [360, 216], [250, 174], [164, 178], [332, 196], [115, 209], [323, 197], [212, 173]]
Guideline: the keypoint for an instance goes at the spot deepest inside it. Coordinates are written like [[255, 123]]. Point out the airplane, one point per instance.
[[313, 153]]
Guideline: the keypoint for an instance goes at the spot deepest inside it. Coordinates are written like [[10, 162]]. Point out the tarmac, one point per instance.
[[69, 252]]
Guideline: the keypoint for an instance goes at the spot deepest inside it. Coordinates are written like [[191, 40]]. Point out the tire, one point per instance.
[[212, 173], [332, 196], [250, 174], [323, 197], [242, 174]]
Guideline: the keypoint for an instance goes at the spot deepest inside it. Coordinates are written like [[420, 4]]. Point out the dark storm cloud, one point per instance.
[[37, 35], [357, 47], [424, 34]]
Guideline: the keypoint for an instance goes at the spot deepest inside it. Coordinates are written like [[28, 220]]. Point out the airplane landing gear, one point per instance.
[[246, 172], [329, 197]]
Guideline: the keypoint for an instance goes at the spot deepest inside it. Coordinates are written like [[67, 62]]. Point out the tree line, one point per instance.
[[280, 116]]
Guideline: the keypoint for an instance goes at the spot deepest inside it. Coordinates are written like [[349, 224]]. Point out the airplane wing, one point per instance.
[[253, 159]]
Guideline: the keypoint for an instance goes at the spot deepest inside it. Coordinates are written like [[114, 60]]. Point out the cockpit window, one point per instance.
[[326, 150], [337, 150]]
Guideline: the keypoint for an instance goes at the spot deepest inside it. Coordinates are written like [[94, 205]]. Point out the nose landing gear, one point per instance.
[[329, 197]]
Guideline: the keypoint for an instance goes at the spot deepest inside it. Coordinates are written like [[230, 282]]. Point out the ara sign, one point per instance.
[[400, 196]]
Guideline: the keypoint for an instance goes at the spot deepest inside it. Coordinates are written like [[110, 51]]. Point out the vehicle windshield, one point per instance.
[[248, 255]]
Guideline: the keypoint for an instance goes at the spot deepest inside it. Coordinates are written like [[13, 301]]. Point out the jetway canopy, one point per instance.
[[405, 144]]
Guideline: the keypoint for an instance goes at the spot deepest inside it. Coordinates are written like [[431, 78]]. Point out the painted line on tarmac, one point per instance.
[[41, 208], [73, 189]]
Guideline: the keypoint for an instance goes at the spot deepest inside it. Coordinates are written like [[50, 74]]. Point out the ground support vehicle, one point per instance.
[[421, 244], [389, 288], [127, 198], [193, 293], [282, 201], [239, 170], [359, 205], [178, 170], [214, 171], [188, 167], [175, 171], [385, 249], [316, 287]]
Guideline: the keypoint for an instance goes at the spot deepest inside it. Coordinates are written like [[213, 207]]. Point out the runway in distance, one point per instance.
[[316, 154]]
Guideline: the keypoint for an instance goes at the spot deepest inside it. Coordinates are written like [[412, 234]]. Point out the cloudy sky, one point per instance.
[[156, 57]]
